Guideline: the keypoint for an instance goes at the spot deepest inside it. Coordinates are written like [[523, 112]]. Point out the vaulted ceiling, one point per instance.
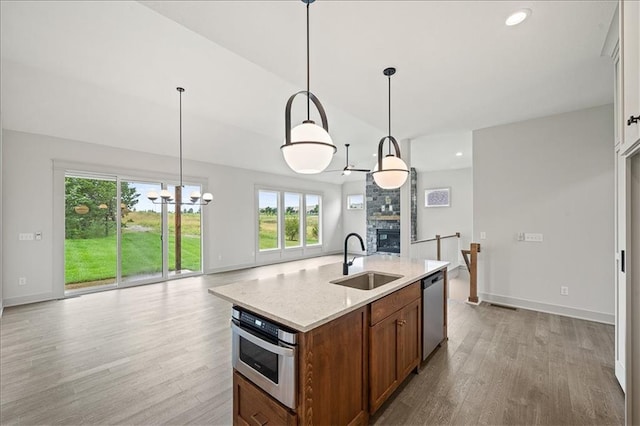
[[106, 72]]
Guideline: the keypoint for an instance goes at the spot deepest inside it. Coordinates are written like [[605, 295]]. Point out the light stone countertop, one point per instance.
[[305, 299]]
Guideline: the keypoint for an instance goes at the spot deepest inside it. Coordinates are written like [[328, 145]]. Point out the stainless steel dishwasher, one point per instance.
[[432, 312]]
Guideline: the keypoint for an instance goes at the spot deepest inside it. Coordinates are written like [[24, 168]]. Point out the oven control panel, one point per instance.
[[259, 323], [253, 321]]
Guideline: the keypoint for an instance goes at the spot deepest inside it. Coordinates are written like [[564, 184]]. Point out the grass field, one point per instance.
[[269, 232], [95, 259]]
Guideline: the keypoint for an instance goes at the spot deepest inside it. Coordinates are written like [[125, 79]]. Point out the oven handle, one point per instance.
[[279, 350]]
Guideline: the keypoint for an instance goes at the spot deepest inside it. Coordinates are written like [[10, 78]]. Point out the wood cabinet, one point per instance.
[[347, 368], [251, 406], [333, 380], [394, 348]]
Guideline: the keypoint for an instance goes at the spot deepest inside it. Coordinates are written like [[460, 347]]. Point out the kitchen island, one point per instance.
[[354, 347]]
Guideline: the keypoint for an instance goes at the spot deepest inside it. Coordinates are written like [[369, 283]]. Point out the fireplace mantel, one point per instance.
[[380, 217]]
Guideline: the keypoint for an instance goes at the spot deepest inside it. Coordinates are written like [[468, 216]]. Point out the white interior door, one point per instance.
[[621, 269]]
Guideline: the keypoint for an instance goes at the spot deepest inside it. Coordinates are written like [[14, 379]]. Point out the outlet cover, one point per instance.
[[22, 281], [483, 235], [564, 291]]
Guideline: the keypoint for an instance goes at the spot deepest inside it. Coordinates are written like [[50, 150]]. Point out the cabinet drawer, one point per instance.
[[380, 309], [251, 406]]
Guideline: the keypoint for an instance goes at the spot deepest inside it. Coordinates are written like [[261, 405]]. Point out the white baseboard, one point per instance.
[[32, 298], [548, 308]]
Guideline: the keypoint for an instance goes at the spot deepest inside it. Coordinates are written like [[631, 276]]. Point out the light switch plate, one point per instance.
[[25, 237], [535, 238], [483, 235]]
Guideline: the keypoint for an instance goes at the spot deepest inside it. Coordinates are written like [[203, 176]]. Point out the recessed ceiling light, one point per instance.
[[517, 17], [458, 154]]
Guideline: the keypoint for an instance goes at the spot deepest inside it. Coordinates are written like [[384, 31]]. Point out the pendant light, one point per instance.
[[165, 196], [390, 172], [308, 148]]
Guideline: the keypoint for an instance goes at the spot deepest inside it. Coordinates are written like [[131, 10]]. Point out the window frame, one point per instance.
[[279, 222], [281, 195]]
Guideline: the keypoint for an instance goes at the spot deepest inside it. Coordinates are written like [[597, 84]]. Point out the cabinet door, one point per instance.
[[409, 327], [383, 352], [630, 40], [251, 406]]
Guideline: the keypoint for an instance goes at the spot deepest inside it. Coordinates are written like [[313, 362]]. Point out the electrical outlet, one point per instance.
[[219, 257], [22, 281], [39, 236], [483, 235], [564, 291], [520, 236]]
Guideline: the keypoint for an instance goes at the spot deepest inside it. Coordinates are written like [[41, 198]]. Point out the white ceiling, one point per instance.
[[106, 72]]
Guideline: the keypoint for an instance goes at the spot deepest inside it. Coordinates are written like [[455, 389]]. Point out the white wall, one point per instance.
[[354, 220], [229, 223], [1, 222], [432, 221], [552, 175]]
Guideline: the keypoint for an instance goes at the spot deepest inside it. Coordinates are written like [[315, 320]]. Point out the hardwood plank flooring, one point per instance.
[[160, 354]]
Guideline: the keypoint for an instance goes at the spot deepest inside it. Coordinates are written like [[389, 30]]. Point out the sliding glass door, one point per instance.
[[185, 240], [115, 236], [90, 245], [140, 233]]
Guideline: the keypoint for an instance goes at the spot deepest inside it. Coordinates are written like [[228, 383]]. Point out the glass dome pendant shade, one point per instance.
[[390, 172], [165, 196], [308, 148]]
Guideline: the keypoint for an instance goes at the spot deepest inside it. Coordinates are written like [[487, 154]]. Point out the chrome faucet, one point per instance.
[[345, 264]]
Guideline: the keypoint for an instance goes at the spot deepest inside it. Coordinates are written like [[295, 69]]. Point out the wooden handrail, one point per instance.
[[437, 239], [457, 234], [472, 267]]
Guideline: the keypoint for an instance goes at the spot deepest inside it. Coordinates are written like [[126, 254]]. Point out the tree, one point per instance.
[[292, 227], [99, 196]]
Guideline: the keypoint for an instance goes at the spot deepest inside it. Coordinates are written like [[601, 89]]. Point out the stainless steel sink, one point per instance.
[[367, 280]]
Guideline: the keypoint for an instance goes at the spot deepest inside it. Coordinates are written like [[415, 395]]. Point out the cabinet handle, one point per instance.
[[402, 322], [632, 120], [260, 421]]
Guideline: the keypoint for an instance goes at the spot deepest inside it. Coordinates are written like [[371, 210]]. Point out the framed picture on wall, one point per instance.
[[437, 197], [355, 202]]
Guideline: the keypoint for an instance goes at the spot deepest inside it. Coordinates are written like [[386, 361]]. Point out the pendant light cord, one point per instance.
[[180, 91], [389, 113], [308, 67]]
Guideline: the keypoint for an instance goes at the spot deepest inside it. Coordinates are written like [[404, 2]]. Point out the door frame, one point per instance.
[[61, 168]]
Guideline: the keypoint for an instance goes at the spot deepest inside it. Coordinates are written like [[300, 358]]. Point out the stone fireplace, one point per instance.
[[383, 216]]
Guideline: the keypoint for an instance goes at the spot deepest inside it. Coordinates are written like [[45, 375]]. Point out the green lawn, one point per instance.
[[95, 259], [269, 232]]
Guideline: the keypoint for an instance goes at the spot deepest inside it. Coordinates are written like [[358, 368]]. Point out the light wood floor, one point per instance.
[[160, 354]]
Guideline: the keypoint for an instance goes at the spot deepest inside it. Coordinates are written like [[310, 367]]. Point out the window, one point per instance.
[[292, 222], [288, 224], [268, 220], [312, 209]]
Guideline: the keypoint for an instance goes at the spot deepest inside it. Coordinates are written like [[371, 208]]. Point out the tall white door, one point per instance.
[[621, 270]]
